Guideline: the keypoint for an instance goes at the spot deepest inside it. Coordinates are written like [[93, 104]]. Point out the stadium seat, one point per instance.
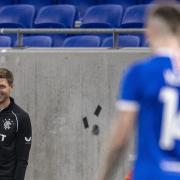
[[134, 16], [82, 5], [145, 42], [6, 2], [37, 3], [124, 41], [17, 16], [158, 2], [124, 3], [56, 16], [146, 1], [5, 41], [37, 41], [82, 41], [103, 16]]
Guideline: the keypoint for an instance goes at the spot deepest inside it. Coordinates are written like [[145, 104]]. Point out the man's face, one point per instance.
[[5, 90]]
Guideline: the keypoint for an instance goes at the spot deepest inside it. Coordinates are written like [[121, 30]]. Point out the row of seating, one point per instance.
[[64, 16], [82, 5], [74, 41]]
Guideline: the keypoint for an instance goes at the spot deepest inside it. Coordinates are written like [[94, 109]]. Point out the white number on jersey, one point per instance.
[[171, 118]]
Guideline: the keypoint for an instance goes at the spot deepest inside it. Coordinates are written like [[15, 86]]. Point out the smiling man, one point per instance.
[[15, 132]]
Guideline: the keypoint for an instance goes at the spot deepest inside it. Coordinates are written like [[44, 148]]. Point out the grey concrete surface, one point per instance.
[[58, 88]]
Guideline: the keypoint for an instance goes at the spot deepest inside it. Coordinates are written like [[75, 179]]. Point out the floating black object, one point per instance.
[[95, 129], [85, 122], [98, 110]]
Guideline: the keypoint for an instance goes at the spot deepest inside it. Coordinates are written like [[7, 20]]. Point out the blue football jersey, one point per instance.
[[152, 87]]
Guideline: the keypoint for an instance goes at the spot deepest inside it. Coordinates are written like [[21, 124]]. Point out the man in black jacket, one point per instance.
[[15, 132]]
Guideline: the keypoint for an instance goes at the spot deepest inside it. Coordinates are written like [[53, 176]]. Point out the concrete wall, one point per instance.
[[58, 88]]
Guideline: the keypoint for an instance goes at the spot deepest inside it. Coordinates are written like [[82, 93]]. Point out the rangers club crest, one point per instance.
[[7, 124]]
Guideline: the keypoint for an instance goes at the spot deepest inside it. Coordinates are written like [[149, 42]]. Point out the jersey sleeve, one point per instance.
[[129, 91], [23, 145]]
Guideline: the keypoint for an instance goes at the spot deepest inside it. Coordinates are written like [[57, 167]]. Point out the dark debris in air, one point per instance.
[[95, 128], [98, 110], [85, 122]]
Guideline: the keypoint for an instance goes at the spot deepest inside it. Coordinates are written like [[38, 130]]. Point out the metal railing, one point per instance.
[[115, 32]]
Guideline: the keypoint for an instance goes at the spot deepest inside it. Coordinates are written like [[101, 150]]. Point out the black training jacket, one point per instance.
[[15, 142]]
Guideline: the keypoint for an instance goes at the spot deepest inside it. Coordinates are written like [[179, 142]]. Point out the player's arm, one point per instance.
[[23, 145], [122, 127], [121, 130]]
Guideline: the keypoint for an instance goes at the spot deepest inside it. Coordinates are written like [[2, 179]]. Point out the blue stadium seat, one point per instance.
[[124, 3], [146, 1], [82, 5], [37, 3], [6, 2], [5, 41], [82, 41], [145, 42], [124, 41], [56, 16], [134, 16], [157, 1], [103, 16], [17, 16], [37, 41]]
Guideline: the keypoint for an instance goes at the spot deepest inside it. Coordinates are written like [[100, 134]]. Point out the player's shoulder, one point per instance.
[[20, 112], [147, 64], [138, 65]]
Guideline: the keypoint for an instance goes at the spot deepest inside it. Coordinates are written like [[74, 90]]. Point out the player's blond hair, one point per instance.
[[167, 16]]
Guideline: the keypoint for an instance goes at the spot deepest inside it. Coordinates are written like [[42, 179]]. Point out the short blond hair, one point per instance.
[[170, 15]]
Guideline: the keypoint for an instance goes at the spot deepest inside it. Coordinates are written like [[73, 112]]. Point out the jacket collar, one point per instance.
[[9, 107]]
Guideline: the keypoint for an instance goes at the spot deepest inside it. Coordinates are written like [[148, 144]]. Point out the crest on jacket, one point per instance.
[[7, 124]]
